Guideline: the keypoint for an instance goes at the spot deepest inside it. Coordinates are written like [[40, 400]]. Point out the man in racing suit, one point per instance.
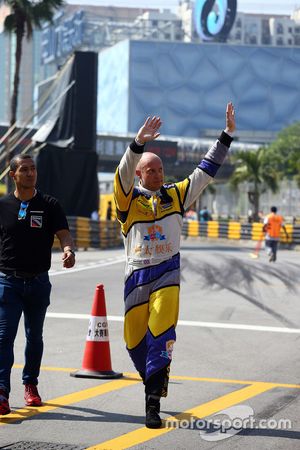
[[151, 218]]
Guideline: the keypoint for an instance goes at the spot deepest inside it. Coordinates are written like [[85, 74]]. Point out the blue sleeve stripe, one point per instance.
[[209, 167]]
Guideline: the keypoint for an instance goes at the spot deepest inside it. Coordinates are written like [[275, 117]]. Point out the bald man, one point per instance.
[[151, 218]]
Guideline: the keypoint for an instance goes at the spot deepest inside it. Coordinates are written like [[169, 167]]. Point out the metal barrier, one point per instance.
[[103, 234], [237, 231], [88, 233]]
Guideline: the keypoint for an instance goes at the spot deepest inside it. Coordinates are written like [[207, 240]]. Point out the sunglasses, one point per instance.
[[23, 210]]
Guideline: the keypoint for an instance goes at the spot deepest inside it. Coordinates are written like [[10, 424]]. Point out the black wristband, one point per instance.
[[71, 251], [137, 148], [225, 139]]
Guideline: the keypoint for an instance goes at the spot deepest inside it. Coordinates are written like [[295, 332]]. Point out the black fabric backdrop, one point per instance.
[[67, 165], [70, 177]]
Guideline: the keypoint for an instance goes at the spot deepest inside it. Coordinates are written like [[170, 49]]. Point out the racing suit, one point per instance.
[[151, 224]]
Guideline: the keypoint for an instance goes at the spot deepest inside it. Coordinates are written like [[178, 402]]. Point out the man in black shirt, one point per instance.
[[28, 222]]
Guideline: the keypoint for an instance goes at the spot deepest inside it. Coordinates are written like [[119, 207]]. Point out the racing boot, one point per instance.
[[153, 419]]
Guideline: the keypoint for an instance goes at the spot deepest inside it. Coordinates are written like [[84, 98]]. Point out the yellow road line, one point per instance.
[[175, 377], [47, 368], [75, 397], [144, 434], [225, 381]]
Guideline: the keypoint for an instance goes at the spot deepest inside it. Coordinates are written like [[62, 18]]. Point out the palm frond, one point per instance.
[[44, 11], [10, 23]]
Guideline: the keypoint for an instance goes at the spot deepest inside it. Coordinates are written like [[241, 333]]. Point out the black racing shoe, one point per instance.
[[153, 419]]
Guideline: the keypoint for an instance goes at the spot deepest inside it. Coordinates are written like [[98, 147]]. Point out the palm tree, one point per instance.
[[285, 152], [253, 167], [24, 16]]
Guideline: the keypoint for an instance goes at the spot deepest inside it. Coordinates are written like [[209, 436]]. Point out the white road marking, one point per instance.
[[188, 323], [88, 266]]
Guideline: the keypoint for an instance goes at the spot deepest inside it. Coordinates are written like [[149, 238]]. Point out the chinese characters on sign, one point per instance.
[[98, 329], [60, 39]]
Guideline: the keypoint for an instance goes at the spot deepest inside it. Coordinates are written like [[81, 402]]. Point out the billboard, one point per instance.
[[214, 19]]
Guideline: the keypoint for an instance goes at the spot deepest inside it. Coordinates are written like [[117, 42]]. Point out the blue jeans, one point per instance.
[[272, 246], [32, 297]]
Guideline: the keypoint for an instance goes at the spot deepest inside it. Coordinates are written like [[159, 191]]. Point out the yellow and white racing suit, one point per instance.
[[151, 224]]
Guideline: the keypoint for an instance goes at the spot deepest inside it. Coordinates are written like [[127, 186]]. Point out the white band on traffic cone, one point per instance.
[[98, 329]]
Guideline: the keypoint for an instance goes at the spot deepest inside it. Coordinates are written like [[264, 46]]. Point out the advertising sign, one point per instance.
[[214, 19]]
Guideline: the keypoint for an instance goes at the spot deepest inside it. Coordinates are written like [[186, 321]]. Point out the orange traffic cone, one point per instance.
[[96, 361]]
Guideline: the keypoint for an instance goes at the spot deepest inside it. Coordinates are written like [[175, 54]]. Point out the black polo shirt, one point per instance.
[[25, 245]]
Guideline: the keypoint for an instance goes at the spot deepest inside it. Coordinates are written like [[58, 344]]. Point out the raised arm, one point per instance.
[[126, 169], [213, 159]]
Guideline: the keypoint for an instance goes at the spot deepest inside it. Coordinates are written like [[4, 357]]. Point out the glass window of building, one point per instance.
[[279, 28]]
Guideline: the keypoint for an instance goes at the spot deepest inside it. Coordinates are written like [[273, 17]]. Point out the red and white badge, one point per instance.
[[36, 221]]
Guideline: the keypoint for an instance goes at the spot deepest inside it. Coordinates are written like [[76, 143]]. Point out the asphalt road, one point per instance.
[[236, 357]]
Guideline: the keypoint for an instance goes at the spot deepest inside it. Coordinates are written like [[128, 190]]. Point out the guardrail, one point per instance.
[[88, 233], [103, 234], [237, 231]]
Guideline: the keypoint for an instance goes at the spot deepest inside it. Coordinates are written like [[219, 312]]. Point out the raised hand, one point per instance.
[[149, 131], [230, 118]]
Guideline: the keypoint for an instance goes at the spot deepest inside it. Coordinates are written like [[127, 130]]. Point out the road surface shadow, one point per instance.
[[240, 277]]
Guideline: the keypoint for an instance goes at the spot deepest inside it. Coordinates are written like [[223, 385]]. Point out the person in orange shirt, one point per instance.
[[273, 223]]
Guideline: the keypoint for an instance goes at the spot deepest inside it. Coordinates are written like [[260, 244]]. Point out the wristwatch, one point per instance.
[[71, 251]]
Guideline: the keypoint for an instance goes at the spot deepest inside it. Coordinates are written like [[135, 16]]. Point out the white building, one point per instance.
[[159, 25], [263, 29]]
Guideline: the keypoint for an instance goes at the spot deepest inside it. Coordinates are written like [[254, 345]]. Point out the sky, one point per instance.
[[252, 6]]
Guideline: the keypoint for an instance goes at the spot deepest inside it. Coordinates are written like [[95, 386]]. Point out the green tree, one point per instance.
[[24, 16], [254, 168], [284, 152]]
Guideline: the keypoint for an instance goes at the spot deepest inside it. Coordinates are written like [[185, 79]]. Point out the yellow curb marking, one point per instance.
[[220, 380], [47, 368], [135, 376], [75, 397], [144, 434]]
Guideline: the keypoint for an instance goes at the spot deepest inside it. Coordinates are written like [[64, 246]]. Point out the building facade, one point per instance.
[[96, 28], [188, 85]]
